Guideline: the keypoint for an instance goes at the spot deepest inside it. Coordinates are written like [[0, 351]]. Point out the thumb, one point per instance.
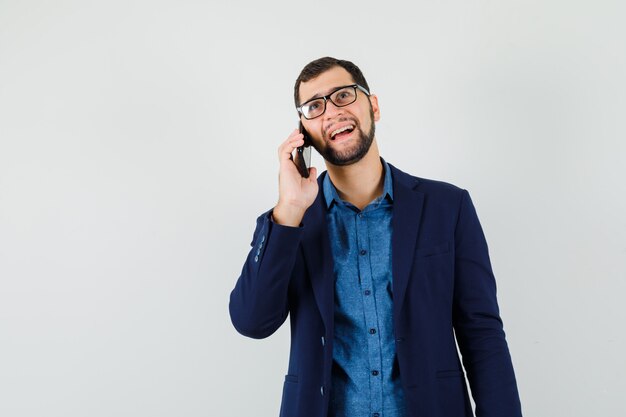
[[313, 174]]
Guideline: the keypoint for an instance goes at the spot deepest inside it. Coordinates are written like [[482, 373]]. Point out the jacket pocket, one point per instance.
[[291, 378], [289, 402], [453, 399]]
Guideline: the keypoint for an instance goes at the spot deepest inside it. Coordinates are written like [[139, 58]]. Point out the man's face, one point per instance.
[[358, 119]]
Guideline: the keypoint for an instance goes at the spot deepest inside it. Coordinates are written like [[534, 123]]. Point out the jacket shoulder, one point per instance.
[[427, 186]]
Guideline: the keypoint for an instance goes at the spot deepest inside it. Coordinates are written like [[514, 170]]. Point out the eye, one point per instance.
[[313, 106], [345, 96]]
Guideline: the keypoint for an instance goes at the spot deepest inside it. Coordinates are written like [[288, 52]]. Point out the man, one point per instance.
[[378, 271]]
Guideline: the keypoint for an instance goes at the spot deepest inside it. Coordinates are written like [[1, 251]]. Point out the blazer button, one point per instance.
[[322, 390], [323, 341]]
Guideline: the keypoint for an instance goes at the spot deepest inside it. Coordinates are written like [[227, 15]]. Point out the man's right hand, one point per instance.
[[295, 193]]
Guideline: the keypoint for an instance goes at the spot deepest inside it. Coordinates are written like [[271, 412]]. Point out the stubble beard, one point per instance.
[[353, 154]]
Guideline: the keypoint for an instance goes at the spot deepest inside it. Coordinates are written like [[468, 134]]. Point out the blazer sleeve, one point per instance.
[[259, 302], [477, 323]]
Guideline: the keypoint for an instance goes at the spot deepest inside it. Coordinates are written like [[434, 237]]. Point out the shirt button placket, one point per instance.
[[371, 315]]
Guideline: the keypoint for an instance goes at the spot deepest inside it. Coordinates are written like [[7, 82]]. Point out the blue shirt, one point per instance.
[[365, 373]]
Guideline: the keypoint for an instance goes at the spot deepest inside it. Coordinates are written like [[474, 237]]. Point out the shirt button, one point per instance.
[[363, 251], [367, 292], [372, 331], [375, 373], [375, 415], [360, 214]]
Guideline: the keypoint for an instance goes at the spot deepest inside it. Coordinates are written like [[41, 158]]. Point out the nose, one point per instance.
[[332, 111]]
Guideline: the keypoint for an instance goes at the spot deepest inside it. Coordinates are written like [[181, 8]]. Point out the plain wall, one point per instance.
[[138, 145]]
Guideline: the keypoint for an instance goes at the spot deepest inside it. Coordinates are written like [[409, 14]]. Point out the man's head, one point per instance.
[[315, 68], [322, 77]]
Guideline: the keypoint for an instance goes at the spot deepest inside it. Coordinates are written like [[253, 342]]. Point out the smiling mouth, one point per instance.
[[342, 132]]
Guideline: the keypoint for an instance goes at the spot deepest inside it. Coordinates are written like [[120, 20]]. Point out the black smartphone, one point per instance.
[[303, 154]]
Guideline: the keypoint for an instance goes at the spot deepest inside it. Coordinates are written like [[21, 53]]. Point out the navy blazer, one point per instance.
[[443, 286]]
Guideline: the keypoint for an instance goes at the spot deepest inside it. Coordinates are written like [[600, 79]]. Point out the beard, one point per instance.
[[353, 154]]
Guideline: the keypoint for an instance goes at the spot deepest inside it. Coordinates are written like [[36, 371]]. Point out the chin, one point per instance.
[[352, 154]]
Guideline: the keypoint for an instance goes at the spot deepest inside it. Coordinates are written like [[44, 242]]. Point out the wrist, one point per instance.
[[287, 215]]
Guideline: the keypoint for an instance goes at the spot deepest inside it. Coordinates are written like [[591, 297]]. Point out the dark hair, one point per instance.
[[315, 68]]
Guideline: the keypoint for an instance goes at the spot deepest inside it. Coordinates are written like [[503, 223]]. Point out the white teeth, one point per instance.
[[342, 129]]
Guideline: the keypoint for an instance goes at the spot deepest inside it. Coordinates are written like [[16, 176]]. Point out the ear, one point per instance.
[[374, 100]]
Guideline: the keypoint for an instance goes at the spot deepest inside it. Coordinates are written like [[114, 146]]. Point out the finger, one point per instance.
[[294, 133], [292, 136], [287, 151], [287, 148]]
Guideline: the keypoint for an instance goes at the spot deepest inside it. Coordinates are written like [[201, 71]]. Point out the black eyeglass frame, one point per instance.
[[327, 98]]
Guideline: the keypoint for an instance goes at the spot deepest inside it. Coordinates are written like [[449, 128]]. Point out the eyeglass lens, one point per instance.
[[340, 98]]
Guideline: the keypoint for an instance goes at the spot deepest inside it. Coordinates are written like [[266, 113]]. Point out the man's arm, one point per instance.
[[259, 302], [477, 323]]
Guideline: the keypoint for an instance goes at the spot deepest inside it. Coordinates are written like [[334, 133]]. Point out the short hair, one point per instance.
[[317, 67]]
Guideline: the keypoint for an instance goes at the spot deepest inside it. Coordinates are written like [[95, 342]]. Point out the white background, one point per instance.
[[138, 144]]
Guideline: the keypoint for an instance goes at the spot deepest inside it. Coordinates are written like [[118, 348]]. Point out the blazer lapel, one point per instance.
[[318, 256], [407, 211]]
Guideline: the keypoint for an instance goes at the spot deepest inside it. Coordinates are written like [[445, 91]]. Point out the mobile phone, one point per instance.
[[303, 154]]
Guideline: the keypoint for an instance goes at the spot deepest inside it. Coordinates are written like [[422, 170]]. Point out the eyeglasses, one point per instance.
[[340, 97]]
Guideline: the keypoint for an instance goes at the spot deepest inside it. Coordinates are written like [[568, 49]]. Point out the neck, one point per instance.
[[361, 182]]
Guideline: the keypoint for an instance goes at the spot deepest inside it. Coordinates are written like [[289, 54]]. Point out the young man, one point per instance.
[[378, 271]]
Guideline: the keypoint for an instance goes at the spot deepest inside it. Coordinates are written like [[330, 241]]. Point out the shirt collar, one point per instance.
[[331, 195]]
